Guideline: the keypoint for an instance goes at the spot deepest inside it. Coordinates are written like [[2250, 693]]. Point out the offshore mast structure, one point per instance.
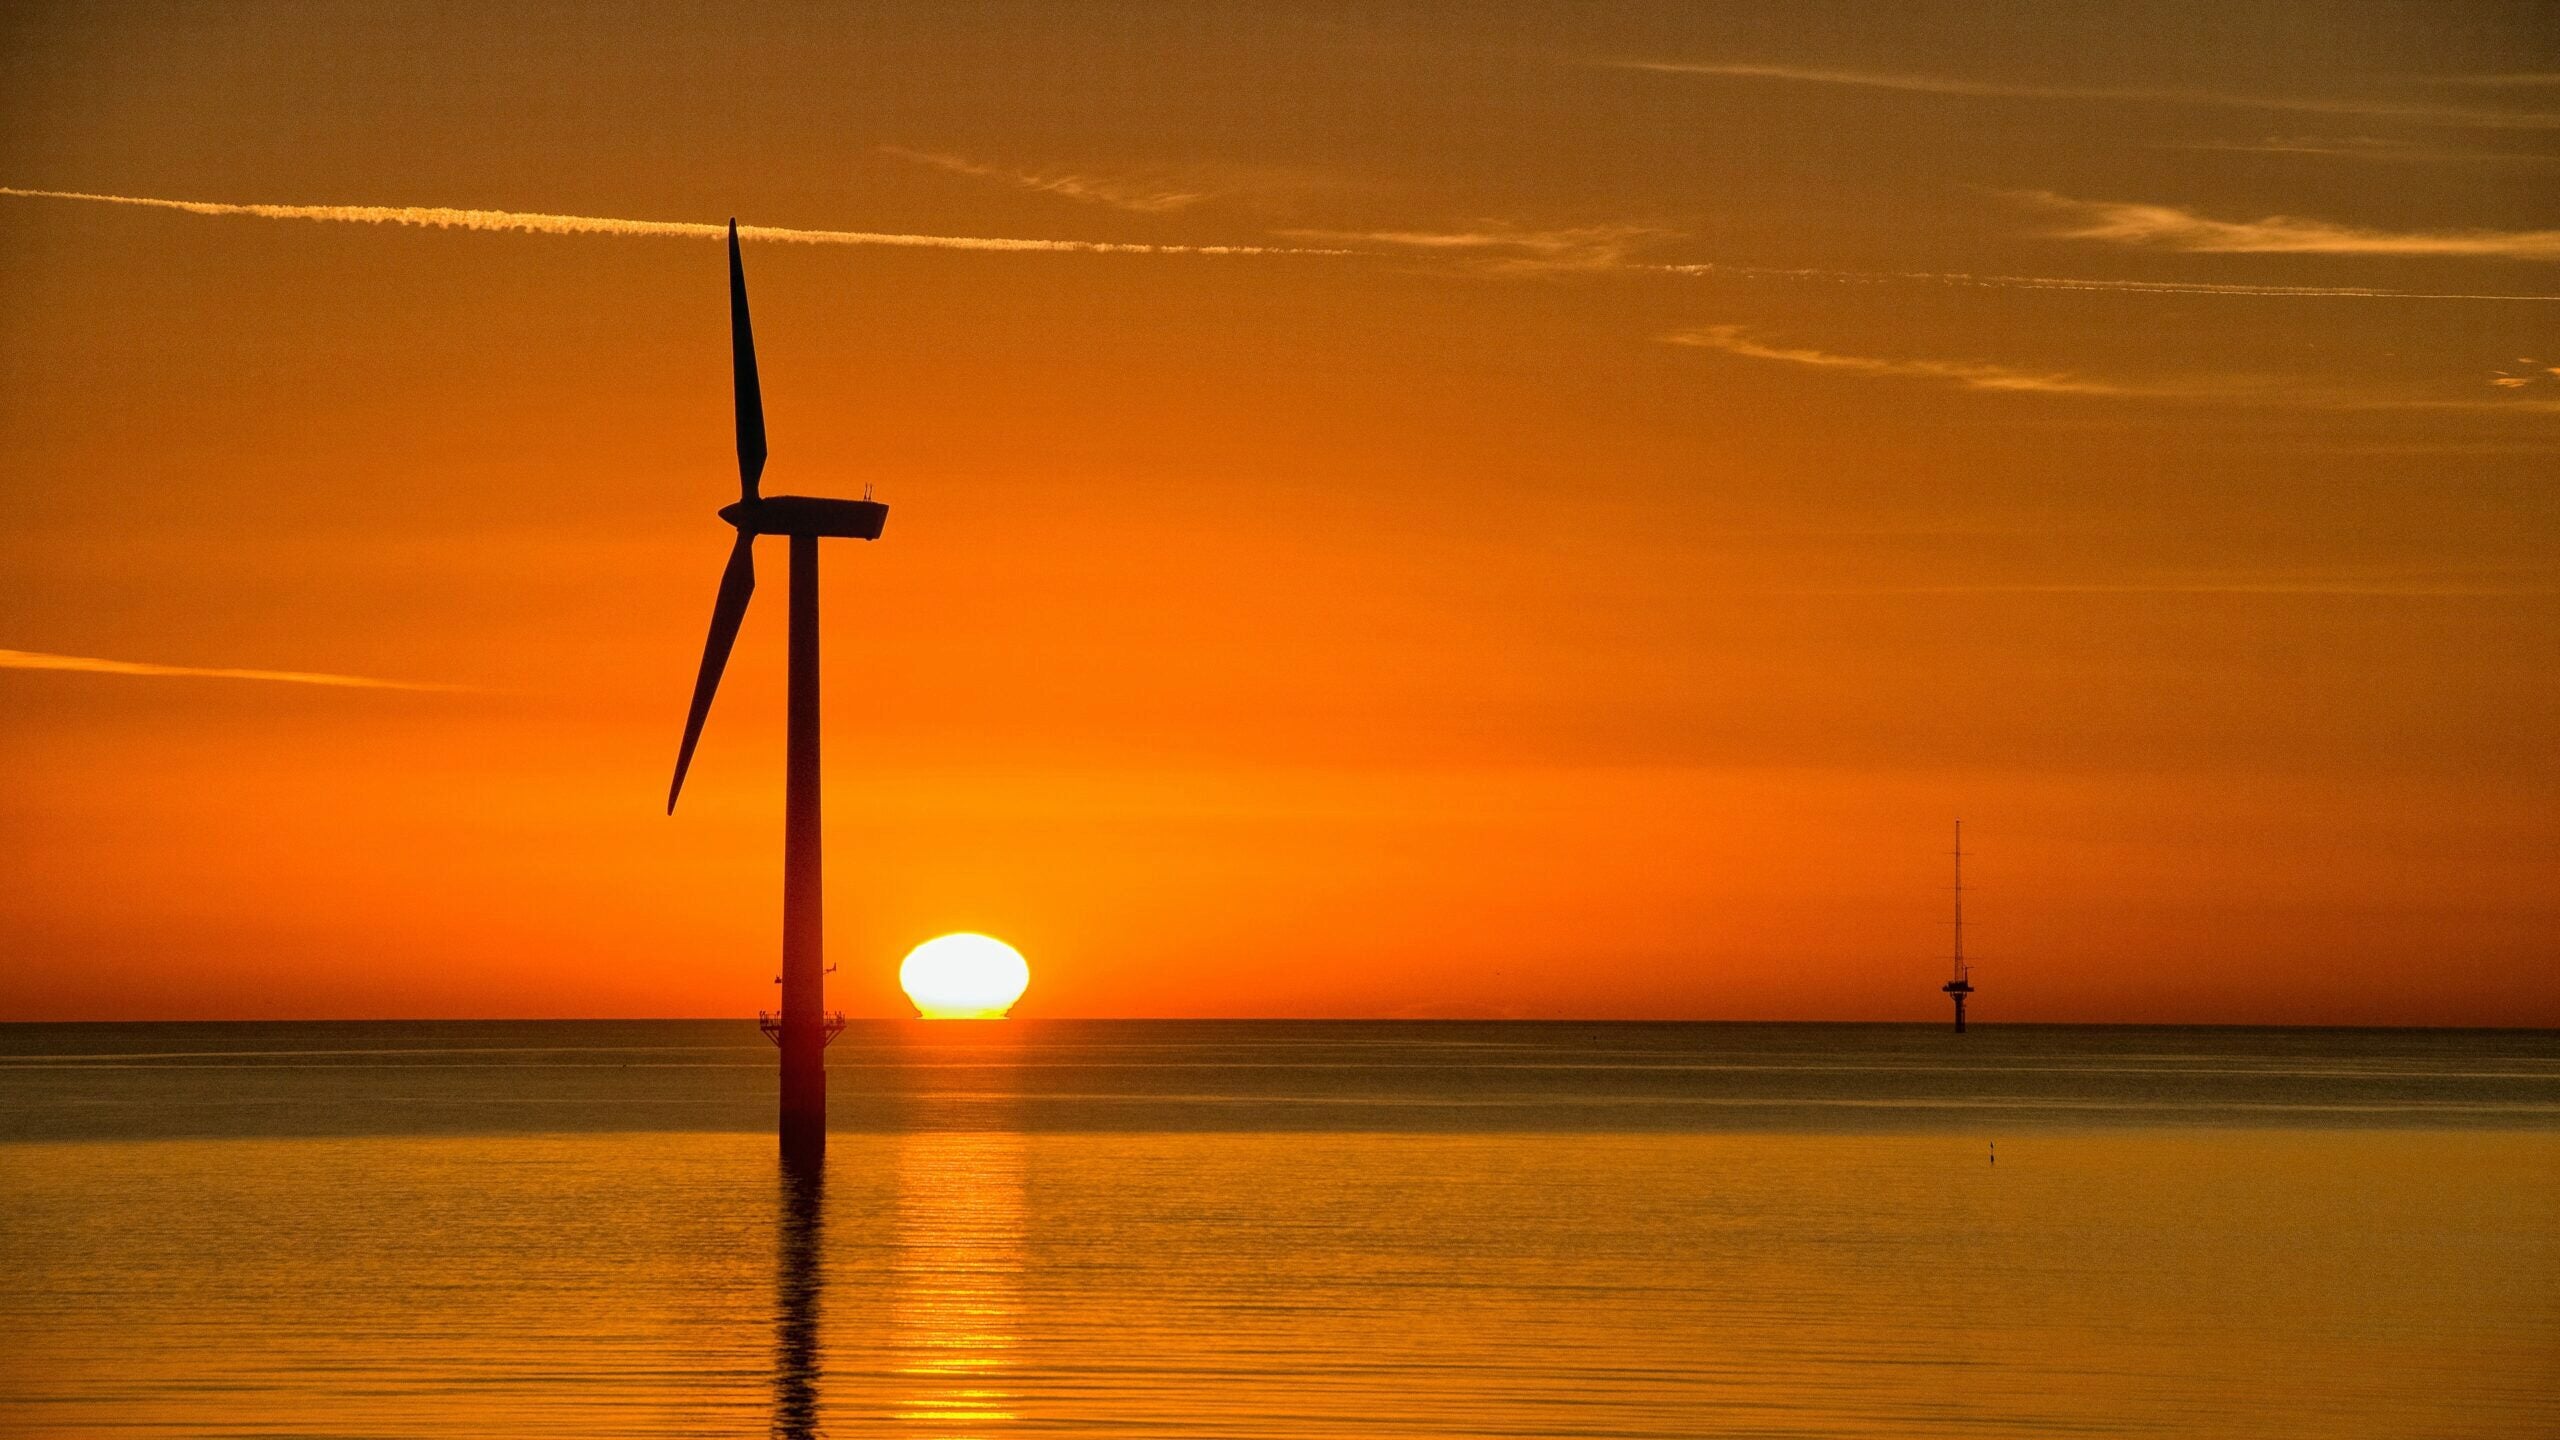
[[1962, 984], [805, 1026]]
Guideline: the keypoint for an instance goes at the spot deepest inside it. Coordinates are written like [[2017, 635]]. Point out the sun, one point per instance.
[[964, 977]]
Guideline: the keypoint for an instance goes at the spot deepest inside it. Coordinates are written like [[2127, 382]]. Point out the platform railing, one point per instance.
[[770, 1022]]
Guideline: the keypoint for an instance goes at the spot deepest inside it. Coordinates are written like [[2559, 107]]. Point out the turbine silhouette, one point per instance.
[[803, 1026]]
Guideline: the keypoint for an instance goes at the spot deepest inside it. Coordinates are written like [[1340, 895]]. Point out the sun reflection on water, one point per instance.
[[956, 1279]]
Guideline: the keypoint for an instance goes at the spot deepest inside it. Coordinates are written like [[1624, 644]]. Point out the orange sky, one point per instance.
[[1733, 447]]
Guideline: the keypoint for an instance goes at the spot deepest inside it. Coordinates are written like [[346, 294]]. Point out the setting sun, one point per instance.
[[964, 977]]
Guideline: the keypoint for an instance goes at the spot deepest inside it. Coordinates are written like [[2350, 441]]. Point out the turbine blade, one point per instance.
[[742, 355], [737, 582]]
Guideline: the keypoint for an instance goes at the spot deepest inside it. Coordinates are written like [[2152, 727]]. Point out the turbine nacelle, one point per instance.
[[808, 515]]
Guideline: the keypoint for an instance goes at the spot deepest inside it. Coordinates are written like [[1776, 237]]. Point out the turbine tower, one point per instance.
[[803, 1026], [1962, 985]]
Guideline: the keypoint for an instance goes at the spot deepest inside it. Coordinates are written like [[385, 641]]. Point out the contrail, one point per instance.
[[536, 223], [2068, 282], [90, 665], [441, 217]]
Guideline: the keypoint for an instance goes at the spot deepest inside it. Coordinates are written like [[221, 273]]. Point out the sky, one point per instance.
[[1462, 510]]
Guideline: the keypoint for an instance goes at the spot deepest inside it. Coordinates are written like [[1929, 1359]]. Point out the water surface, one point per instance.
[[1280, 1230]]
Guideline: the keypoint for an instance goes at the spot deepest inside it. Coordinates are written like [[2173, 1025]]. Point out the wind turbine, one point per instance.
[[803, 1027]]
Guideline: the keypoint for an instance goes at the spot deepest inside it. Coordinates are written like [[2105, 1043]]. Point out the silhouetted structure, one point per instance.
[[804, 1026], [1962, 985]]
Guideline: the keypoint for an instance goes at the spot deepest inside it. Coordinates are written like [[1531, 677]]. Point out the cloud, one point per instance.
[[90, 665], [1499, 247], [2376, 149], [1972, 375], [2273, 584], [1506, 248], [2532, 374], [2419, 113], [526, 222], [1144, 196], [2509, 79], [2485, 581], [2078, 282], [2169, 227], [2011, 379]]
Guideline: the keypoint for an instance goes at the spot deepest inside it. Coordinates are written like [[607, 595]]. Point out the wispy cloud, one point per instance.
[[91, 665], [528, 222], [2374, 149], [2507, 79], [2012, 379], [2170, 227], [1971, 374], [2342, 584], [2080, 282], [2528, 374], [1147, 195], [2415, 112], [1505, 247]]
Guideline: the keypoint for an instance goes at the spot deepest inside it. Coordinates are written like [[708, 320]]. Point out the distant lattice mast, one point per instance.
[[1962, 984]]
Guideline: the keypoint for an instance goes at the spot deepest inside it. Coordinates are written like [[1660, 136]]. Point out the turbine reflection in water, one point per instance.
[[799, 1278]]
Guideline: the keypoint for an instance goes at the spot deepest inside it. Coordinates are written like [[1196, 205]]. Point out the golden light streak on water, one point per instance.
[[957, 1279]]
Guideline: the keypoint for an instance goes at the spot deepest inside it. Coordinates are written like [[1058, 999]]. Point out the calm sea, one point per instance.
[[1275, 1229]]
